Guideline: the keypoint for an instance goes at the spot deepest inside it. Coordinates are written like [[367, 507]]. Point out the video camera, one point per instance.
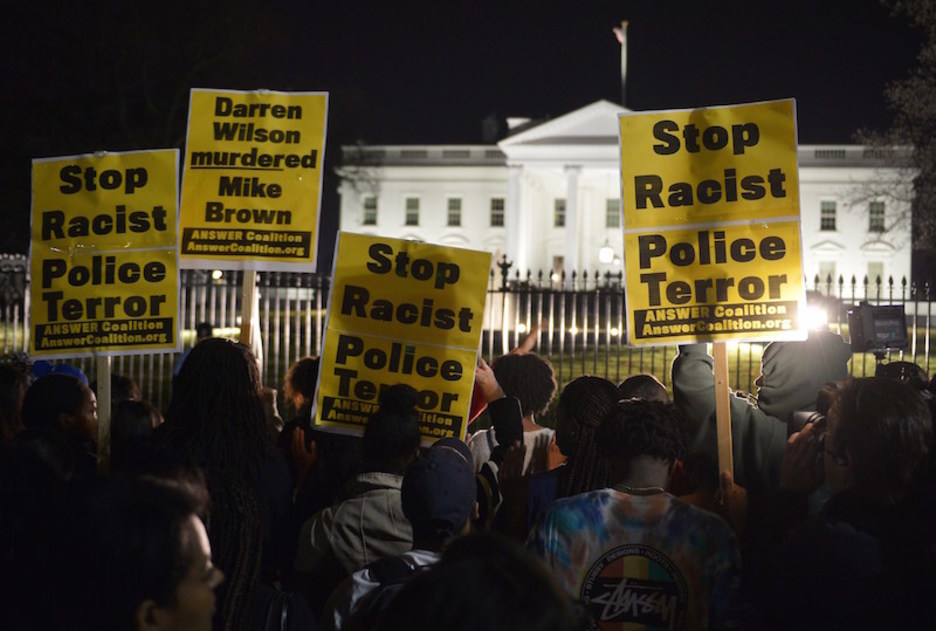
[[877, 328]]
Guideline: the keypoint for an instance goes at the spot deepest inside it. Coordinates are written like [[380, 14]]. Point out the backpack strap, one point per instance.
[[390, 570]]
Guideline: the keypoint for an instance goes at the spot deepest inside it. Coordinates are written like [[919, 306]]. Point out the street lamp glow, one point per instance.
[[606, 254]]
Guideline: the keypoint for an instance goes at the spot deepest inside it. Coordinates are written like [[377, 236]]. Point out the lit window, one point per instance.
[[826, 275], [454, 211], [558, 265], [876, 217], [370, 211], [875, 272], [613, 213], [497, 211], [412, 211], [559, 210], [827, 215]]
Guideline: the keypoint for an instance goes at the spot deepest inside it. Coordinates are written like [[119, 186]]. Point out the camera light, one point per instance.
[[816, 318]]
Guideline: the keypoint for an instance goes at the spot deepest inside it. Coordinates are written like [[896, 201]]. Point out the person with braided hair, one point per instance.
[[216, 421], [634, 553], [584, 404]]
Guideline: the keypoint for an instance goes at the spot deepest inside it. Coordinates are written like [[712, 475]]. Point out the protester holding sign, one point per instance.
[[792, 373]]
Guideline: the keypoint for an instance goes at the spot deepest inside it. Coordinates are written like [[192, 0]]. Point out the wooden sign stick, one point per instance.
[[248, 297], [722, 408], [102, 369]]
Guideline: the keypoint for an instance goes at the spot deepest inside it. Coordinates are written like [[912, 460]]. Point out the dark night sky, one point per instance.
[[425, 72], [432, 75]]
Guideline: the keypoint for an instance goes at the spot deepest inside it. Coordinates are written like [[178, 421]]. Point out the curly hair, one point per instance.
[[528, 377], [641, 428], [586, 402]]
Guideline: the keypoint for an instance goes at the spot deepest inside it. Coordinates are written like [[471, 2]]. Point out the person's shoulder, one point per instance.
[[319, 519], [577, 514], [546, 479], [541, 434], [705, 519], [582, 502], [480, 436], [481, 443], [365, 485]]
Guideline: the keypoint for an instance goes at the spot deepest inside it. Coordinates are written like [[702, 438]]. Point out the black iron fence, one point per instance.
[[576, 320]]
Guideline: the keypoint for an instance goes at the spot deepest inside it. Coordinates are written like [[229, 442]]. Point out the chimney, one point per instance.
[[513, 122], [490, 129], [621, 33]]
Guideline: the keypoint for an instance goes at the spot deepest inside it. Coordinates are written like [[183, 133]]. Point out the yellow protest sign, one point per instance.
[[401, 312], [252, 183], [711, 224], [103, 258]]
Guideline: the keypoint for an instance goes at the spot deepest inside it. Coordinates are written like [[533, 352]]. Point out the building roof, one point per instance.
[[588, 135]]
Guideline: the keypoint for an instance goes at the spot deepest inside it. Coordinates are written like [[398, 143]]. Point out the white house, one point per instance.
[[548, 196]]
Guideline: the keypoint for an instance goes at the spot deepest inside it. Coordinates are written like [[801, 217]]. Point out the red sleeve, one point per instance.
[[478, 404]]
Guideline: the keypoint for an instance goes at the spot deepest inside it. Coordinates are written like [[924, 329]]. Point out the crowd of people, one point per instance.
[[218, 515]]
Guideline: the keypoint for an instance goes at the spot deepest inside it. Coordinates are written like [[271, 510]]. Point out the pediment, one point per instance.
[[878, 245], [594, 124], [458, 240], [828, 246]]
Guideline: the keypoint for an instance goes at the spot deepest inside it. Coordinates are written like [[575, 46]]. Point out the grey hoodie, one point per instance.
[[793, 373]]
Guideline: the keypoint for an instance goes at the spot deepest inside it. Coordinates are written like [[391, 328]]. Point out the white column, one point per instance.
[[571, 253], [517, 233]]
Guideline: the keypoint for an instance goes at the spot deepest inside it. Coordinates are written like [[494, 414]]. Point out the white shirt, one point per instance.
[[537, 442]]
